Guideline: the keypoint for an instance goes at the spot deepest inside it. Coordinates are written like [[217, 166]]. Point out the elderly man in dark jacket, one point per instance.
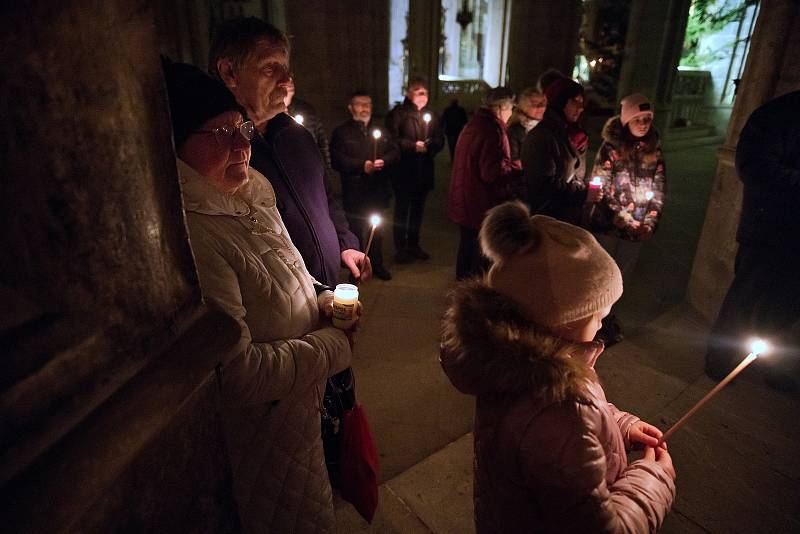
[[252, 58], [764, 298], [481, 176], [419, 142], [362, 152], [553, 156]]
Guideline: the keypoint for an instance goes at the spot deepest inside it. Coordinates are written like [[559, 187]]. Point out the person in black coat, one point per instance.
[[764, 298], [363, 161], [412, 178], [454, 118], [304, 113], [251, 57], [554, 155]]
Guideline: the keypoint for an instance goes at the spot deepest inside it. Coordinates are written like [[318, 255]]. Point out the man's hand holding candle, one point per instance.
[[358, 264], [421, 147], [371, 166]]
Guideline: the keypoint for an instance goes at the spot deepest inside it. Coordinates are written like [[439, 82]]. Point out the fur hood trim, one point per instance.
[[613, 130], [490, 348]]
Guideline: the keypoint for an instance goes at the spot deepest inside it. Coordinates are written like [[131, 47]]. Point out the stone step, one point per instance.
[[671, 145], [432, 497], [689, 132]]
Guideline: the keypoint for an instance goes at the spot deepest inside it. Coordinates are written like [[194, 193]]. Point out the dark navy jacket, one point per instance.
[[288, 156]]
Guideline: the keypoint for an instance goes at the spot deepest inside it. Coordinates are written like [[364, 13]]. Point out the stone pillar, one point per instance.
[[543, 35], [337, 48], [652, 51], [771, 70], [424, 38], [108, 392]]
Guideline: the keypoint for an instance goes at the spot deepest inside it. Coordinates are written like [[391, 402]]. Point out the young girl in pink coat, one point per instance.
[[550, 451]]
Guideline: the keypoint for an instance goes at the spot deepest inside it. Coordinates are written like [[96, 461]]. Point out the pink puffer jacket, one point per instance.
[[550, 451]]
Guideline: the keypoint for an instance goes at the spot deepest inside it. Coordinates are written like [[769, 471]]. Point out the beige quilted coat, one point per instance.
[[550, 451], [249, 268]]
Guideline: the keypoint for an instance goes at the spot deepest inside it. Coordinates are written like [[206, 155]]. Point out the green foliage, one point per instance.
[[707, 17]]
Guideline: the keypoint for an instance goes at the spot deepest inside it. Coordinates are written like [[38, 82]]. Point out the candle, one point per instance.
[[596, 182], [374, 220], [758, 346], [648, 196], [345, 300], [299, 119], [376, 134], [427, 118]]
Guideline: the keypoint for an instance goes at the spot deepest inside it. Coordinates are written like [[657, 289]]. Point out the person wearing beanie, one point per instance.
[[630, 166], [481, 176], [550, 451], [554, 155], [250, 269]]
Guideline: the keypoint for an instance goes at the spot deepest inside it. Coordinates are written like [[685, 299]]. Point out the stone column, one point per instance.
[[337, 48], [543, 35], [771, 70], [652, 51], [108, 392]]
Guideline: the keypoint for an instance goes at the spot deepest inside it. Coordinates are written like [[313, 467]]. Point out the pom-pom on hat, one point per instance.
[[633, 105], [194, 98], [555, 272]]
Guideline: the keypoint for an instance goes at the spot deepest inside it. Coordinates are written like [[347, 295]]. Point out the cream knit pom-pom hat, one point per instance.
[[556, 272]]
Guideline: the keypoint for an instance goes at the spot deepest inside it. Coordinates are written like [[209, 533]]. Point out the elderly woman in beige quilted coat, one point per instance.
[[249, 268], [550, 451]]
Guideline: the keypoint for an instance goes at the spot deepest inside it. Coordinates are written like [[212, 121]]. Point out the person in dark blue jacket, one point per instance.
[[764, 298], [251, 57]]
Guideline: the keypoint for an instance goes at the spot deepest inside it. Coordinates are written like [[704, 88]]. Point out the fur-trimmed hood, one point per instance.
[[489, 348], [613, 134]]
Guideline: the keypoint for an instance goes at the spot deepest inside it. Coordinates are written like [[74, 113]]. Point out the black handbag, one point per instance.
[[339, 397]]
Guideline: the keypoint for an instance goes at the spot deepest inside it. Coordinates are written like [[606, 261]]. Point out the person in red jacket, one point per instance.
[[481, 176]]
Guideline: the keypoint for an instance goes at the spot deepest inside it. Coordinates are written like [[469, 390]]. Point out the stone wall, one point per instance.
[[98, 281], [543, 35]]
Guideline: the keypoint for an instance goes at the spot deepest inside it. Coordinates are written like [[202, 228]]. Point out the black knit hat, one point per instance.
[[194, 98]]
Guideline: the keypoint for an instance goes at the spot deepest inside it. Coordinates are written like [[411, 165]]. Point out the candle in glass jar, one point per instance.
[[345, 300], [596, 182]]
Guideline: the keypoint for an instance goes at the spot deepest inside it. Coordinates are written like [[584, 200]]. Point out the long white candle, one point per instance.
[[427, 118], [376, 134], [374, 220], [757, 347]]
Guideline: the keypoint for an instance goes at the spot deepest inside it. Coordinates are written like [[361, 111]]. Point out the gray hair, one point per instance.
[[497, 96]]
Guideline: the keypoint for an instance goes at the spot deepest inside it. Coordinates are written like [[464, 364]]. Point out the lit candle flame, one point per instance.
[[375, 219], [649, 196], [596, 182], [376, 133], [427, 117], [758, 346], [299, 119]]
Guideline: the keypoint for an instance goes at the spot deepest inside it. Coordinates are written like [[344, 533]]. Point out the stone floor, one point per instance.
[[736, 459]]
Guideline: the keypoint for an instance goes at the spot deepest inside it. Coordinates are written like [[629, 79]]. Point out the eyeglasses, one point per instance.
[[227, 133]]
